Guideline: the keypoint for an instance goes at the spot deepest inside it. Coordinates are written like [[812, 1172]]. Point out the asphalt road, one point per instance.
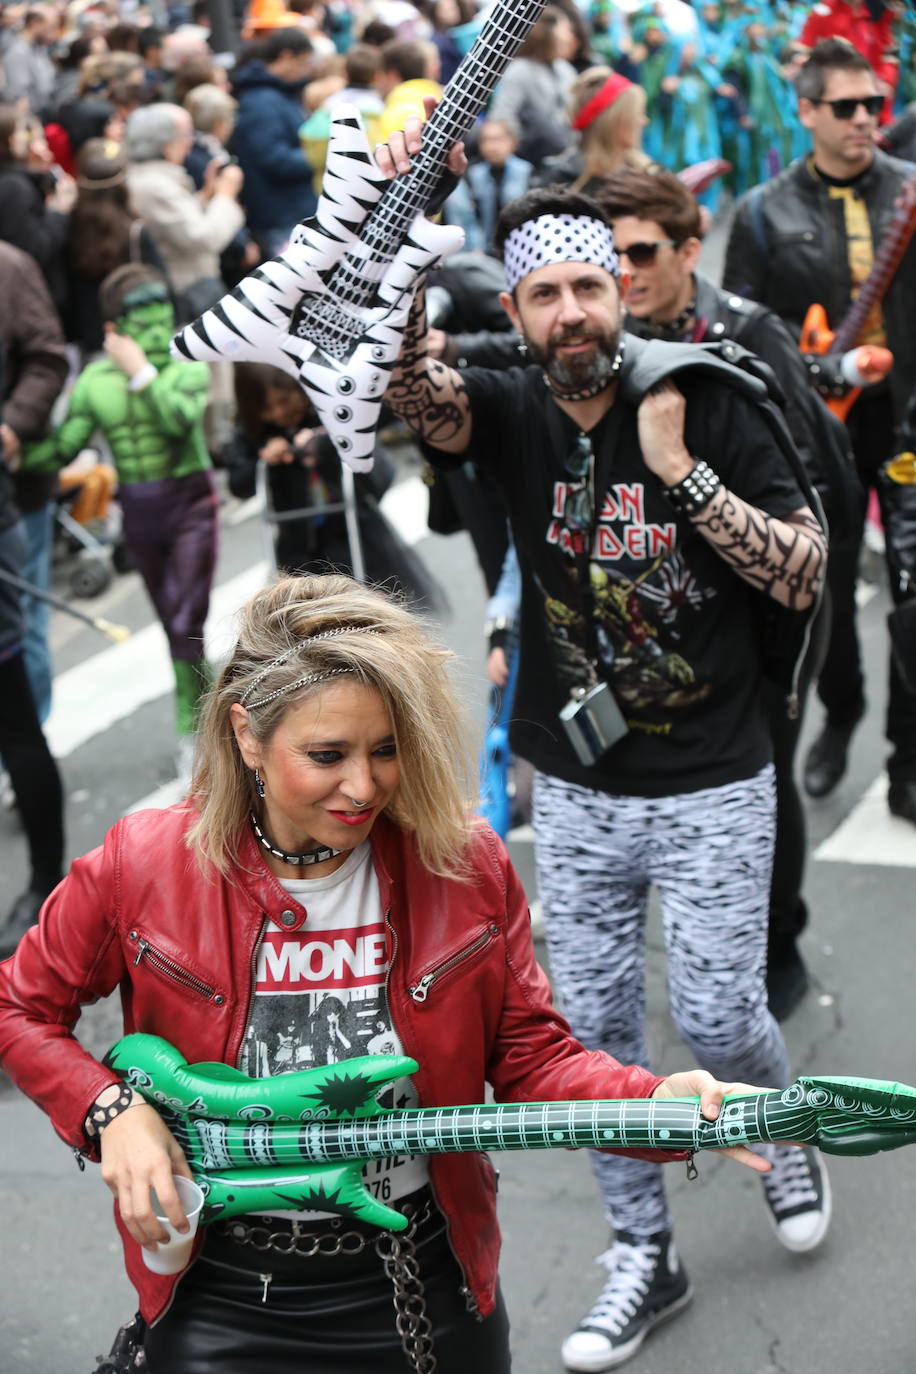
[[757, 1310]]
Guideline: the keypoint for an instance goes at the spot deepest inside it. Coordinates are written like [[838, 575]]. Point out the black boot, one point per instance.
[[825, 763], [787, 982], [901, 800]]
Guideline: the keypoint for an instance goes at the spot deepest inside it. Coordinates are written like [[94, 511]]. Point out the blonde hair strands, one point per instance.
[[386, 647]]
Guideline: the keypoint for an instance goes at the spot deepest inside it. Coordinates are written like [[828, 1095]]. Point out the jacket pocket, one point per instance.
[[420, 990], [167, 967]]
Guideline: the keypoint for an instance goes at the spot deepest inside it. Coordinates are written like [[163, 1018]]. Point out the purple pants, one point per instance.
[[171, 531]]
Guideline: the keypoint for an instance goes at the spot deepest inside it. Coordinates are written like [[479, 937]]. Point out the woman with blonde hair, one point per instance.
[[608, 113], [326, 871]]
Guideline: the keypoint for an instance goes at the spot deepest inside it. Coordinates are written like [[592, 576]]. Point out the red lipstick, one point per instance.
[[352, 817]]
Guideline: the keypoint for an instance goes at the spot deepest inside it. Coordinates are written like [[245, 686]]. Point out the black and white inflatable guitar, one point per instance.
[[331, 309]]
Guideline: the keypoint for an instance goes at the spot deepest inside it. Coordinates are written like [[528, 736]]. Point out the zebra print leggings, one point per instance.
[[709, 854]]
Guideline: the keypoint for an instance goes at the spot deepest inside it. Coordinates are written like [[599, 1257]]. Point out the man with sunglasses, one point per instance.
[[639, 524], [808, 237], [656, 224]]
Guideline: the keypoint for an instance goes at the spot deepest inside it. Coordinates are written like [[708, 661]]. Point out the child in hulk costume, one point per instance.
[[150, 409]]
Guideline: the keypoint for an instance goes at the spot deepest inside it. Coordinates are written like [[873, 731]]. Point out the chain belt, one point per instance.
[[396, 1249]]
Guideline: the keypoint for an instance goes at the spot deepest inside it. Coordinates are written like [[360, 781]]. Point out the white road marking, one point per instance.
[[406, 505], [166, 795], [871, 835], [110, 686]]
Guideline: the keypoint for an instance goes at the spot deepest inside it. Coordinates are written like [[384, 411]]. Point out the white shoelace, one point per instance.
[[791, 1182], [632, 1268]]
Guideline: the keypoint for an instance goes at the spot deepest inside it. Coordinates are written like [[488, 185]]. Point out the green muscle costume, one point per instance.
[[156, 436], [153, 433]]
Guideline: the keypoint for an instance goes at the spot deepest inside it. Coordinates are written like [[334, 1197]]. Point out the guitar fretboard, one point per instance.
[[354, 280], [640, 1124], [887, 260]]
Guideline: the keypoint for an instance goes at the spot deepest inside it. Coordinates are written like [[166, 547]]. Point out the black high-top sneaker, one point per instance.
[[647, 1284], [797, 1194]]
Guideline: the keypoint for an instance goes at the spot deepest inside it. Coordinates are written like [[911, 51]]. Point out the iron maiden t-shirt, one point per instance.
[[675, 626], [320, 997]]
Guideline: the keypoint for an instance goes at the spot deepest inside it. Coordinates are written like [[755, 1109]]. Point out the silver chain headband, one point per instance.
[[305, 681], [306, 642]]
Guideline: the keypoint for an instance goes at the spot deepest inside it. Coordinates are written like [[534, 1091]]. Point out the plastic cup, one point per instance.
[[170, 1257]]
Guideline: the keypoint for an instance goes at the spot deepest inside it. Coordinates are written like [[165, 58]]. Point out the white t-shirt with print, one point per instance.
[[320, 997]]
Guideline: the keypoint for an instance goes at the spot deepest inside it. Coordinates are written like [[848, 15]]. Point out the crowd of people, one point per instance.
[[666, 479]]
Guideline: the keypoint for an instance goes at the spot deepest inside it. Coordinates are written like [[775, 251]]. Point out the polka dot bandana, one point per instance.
[[557, 238]]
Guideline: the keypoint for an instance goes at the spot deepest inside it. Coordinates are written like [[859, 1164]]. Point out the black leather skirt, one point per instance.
[[245, 1308]]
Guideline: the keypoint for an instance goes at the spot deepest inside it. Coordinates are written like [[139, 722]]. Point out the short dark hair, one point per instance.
[[653, 194], [408, 59], [376, 33], [544, 200], [252, 382], [284, 40], [362, 64], [150, 37], [829, 55], [118, 285]]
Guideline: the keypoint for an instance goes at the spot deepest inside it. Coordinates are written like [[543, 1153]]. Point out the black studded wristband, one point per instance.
[[104, 1112], [694, 492]]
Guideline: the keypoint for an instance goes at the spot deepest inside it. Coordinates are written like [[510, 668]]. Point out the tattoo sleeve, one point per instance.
[[429, 397], [785, 558]]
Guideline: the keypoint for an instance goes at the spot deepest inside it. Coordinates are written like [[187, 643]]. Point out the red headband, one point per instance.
[[612, 88]]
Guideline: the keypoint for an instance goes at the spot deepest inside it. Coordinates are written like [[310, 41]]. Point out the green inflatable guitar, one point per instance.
[[300, 1140]]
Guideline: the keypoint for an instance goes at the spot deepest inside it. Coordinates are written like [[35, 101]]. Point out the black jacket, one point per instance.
[[788, 249], [785, 635], [820, 438]]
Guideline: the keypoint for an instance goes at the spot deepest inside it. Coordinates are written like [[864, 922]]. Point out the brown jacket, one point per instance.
[[34, 363]]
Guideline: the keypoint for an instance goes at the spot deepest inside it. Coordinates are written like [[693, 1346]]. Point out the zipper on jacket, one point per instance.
[[170, 968], [465, 1289], [253, 972], [420, 990]]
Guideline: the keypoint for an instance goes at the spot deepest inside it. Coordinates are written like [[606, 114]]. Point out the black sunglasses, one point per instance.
[[578, 508], [846, 108], [644, 254]]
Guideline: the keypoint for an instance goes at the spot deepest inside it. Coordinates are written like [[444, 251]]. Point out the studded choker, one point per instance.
[[586, 393], [308, 856]]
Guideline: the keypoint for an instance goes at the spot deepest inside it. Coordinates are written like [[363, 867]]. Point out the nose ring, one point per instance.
[[359, 805]]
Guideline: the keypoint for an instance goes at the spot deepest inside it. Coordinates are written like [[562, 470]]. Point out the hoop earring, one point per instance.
[[259, 784]]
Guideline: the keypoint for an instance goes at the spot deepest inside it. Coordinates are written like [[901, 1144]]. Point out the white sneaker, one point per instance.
[[798, 1197], [647, 1285]]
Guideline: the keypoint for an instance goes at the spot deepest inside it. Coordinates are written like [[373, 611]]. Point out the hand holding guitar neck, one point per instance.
[[863, 364], [332, 308], [300, 1140]]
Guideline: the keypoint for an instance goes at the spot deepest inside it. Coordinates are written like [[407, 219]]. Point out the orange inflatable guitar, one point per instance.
[[869, 363]]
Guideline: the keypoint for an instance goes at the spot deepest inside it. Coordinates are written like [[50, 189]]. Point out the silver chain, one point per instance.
[[397, 1251]]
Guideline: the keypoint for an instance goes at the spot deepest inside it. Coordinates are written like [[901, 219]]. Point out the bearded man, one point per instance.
[[646, 532]]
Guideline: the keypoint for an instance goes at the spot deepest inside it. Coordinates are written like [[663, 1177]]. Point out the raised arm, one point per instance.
[[428, 396]]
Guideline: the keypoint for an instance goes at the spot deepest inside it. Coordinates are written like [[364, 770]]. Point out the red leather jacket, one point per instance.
[[467, 998]]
